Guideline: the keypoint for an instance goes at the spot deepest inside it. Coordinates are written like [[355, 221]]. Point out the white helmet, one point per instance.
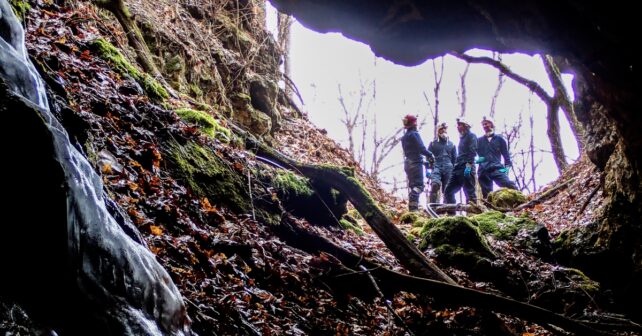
[[462, 120], [489, 120]]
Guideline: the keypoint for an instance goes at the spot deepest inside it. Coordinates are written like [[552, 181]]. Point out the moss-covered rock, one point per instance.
[[409, 217], [317, 203], [288, 183], [208, 175], [110, 53], [206, 122], [257, 122], [506, 198], [20, 8], [457, 231], [503, 226], [348, 225], [263, 94]]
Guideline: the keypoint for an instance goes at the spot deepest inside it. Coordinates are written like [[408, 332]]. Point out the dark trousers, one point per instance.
[[456, 181], [487, 177], [438, 181], [415, 175]]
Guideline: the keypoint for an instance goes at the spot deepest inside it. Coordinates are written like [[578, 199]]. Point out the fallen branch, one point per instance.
[[545, 195], [469, 208], [386, 302], [588, 199], [393, 282], [343, 180]]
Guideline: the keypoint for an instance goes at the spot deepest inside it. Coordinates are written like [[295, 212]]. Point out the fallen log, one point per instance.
[[392, 282], [545, 195], [343, 180], [449, 208]]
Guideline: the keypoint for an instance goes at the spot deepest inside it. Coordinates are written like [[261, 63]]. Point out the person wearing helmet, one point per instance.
[[414, 151], [445, 155], [464, 171], [491, 148]]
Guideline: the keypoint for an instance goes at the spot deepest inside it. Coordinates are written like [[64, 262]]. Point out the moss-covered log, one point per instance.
[[392, 282], [343, 179]]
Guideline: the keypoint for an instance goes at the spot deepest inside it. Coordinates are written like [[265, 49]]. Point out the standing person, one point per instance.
[[413, 152], [464, 171], [445, 155], [491, 148]]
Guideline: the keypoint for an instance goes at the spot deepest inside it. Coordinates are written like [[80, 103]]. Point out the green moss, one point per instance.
[[110, 53], [20, 8], [289, 183], [502, 226], [458, 231], [195, 90], [506, 198], [352, 227], [579, 279], [354, 214], [409, 217], [415, 232], [208, 175], [174, 64], [464, 258], [206, 122]]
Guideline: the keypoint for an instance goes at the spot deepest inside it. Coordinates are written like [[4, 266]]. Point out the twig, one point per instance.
[[383, 298], [588, 200], [545, 195], [249, 189]]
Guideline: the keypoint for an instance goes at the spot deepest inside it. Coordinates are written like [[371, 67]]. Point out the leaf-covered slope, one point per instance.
[[218, 241]]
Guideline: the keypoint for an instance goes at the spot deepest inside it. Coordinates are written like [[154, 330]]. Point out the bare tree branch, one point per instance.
[[501, 79], [461, 92], [564, 99]]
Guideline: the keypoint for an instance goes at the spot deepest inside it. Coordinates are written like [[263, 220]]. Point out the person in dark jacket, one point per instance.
[[445, 155], [414, 151], [491, 148], [464, 171]]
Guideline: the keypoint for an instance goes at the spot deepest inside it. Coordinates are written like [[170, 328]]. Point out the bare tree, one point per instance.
[[501, 79], [564, 99], [438, 77], [531, 149], [461, 92], [552, 104], [352, 115], [284, 26]]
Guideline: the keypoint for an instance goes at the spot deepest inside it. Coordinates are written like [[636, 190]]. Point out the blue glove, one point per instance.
[[480, 159], [503, 170], [428, 173], [467, 171]]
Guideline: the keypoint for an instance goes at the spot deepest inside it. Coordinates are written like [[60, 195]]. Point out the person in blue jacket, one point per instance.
[[491, 148], [445, 155], [414, 151], [464, 171]]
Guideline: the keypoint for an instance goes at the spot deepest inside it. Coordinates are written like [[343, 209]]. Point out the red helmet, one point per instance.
[[409, 120]]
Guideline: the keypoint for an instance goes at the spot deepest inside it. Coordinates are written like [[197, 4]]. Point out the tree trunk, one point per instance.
[[343, 179], [564, 100], [284, 25], [554, 137], [501, 79]]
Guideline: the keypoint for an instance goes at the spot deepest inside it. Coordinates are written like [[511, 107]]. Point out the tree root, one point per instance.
[[343, 180]]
